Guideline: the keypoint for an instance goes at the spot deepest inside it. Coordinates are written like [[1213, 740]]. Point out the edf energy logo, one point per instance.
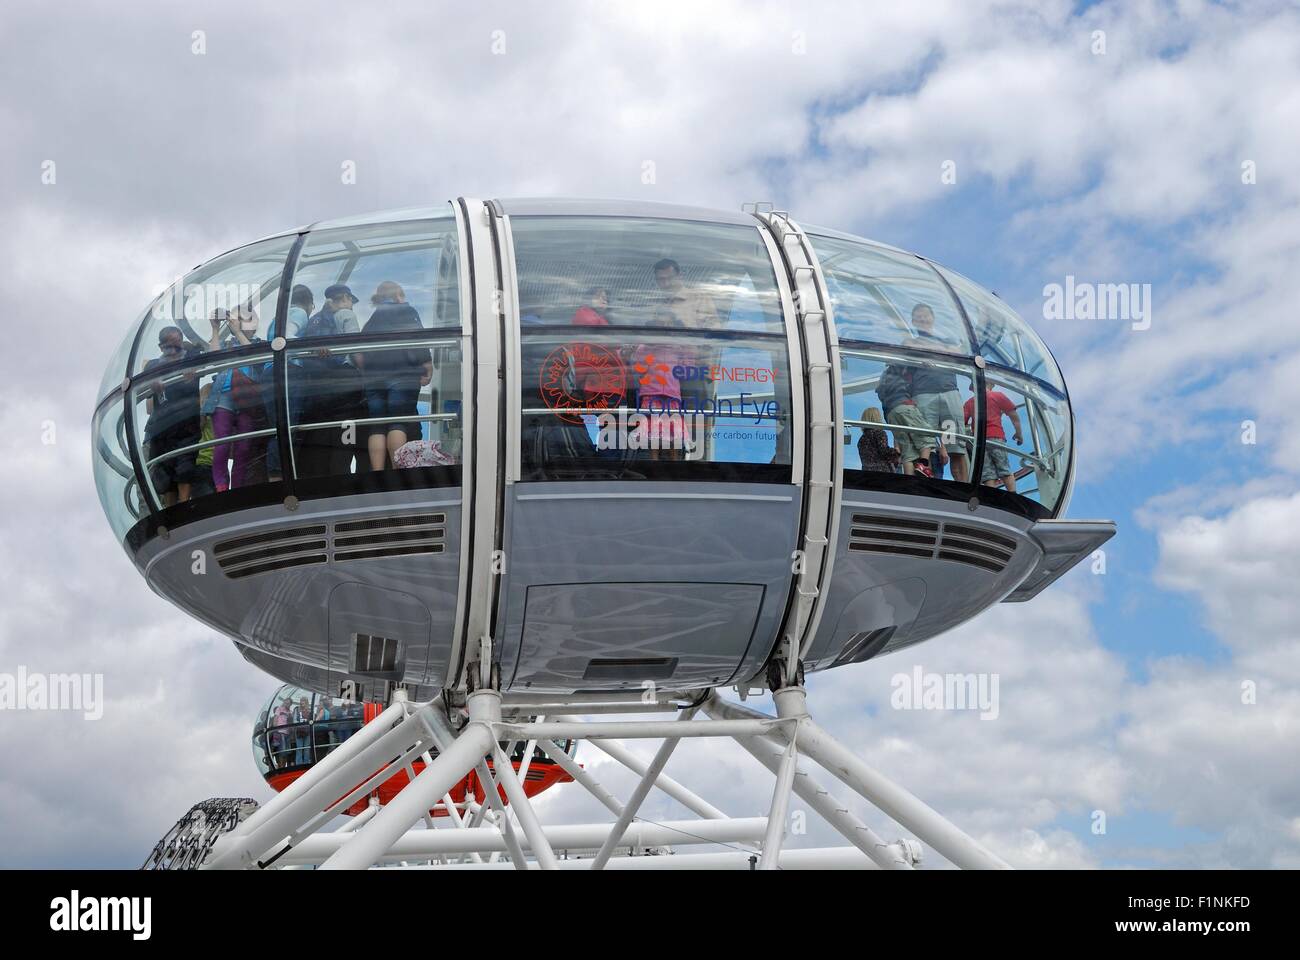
[[582, 376], [688, 372]]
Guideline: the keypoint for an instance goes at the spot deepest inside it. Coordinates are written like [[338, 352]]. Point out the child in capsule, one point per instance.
[[873, 446]]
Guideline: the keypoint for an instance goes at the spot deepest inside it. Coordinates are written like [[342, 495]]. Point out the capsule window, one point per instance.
[[373, 366], [650, 348], [1002, 336], [882, 296], [1028, 447], [226, 304], [909, 414]]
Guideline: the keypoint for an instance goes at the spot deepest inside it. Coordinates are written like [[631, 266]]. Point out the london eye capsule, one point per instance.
[[573, 445], [297, 728]]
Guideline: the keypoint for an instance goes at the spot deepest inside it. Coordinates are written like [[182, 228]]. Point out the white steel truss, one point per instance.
[[290, 830]]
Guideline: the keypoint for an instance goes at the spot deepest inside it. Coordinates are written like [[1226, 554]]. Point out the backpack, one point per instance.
[[320, 325]]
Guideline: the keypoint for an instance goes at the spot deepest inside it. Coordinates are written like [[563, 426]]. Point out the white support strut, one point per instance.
[[892, 799], [508, 832]]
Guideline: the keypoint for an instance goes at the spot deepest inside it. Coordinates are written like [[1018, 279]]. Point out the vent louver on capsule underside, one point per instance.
[[389, 536], [275, 550], [929, 539], [372, 538], [377, 656]]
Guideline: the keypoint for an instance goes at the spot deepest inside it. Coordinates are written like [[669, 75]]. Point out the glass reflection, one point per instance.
[[912, 419], [114, 476], [617, 271], [1002, 336], [670, 347], [297, 728], [385, 280], [224, 304], [1034, 462], [347, 277], [600, 406], [374, 406], [116, 371], [204, 429], [883, 296], [173, 424]]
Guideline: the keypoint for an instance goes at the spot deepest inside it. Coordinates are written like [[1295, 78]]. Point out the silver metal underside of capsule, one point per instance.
[[604, 589]]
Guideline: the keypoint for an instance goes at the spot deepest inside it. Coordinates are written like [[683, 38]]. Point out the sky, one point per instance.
[[1017, 143]]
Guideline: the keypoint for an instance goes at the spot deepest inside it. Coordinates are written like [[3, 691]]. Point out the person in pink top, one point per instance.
[[279, 739], [659, 394]]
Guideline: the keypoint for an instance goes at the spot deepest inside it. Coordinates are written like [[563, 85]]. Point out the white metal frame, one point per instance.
[[482, 413], [290, 830], [825, 425], [473, 721]]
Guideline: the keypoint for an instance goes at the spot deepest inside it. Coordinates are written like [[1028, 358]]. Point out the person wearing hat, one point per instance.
[[393, 378], [331, 389]]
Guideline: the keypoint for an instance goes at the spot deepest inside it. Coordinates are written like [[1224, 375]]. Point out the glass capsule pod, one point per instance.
[[626, 442], [296, 728]]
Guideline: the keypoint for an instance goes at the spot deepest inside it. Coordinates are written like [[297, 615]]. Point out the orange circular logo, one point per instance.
[[582, 376]]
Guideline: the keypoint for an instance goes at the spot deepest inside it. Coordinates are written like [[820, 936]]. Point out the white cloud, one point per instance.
[[166, 159]]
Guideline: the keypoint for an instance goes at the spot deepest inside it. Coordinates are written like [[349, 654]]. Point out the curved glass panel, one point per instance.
[[1028, 451], [881, 296], [634, 348], [115, 372], [391, 405], [1003, 336], [904, 414], [205, 429], [624, 271], [605, 402], [386, 278], [297, 728], [228, 302], [333, 722], [261, 750], [288, 726], [114, 475]]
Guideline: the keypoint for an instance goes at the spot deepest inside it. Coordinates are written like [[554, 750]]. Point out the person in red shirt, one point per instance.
[[594, 313], [997, 465]]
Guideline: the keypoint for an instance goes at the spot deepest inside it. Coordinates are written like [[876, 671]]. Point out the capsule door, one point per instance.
[[650, 510]]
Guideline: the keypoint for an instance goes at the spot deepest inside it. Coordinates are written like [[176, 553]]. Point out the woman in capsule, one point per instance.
[[393, 378], [236, 404]]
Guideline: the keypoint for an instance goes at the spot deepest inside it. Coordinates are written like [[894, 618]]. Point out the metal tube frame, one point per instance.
[[288, 831]]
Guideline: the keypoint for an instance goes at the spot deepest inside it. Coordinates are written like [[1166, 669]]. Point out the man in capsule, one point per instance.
[[173, 422], [693, 311], [997, 465], [935, 391], [331, 389]]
